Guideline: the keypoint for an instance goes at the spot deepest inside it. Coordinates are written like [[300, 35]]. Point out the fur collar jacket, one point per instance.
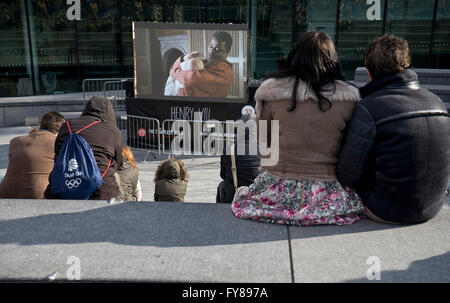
[[309, 139]]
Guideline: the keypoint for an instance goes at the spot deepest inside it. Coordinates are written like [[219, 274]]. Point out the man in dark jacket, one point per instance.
[[397, 149], [247, 169], [105, 140]]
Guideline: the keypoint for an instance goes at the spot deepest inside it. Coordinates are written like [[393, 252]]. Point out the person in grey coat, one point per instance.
[[128, 178]]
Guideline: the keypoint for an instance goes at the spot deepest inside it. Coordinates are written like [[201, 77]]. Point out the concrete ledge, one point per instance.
[[197, 242], [16, 112]]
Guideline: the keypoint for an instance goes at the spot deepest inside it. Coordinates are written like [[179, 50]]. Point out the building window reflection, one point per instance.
[[413, 21], [355, 32], [15, 69], [441, 41], [55, 51], [57, 54], [99, 40]]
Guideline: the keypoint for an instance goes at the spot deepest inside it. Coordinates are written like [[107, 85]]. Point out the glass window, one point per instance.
[[321, 16], [54, 47], [15, 69], [273, 32], [173, 11], [441, 41], [99, 39], [227, 11], [193, 11], [136, 10], [276, 31], [356, 31], [412, 20]]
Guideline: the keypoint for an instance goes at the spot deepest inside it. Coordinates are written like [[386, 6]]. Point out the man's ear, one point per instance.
[[370, 75]]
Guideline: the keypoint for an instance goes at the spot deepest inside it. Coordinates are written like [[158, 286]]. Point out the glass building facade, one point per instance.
[[42, 51]]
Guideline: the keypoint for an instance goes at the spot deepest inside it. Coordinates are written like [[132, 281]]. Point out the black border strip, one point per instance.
[[196, 26]]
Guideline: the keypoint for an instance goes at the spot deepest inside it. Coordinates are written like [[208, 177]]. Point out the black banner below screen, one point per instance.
[[142, 132]]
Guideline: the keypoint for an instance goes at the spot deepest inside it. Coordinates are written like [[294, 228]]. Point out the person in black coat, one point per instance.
[[247, 169], [396, 152]]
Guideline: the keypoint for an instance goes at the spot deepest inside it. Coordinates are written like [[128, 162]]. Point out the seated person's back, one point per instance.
[[104, 139], [128, 177], [311, 103], [247, 167], [171, 181], [31, 160], [397, 148]]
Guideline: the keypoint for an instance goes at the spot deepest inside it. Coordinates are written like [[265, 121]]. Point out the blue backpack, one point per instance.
[[75, 172]]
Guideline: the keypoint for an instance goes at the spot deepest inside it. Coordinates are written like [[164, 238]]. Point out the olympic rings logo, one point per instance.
[[73, 183]]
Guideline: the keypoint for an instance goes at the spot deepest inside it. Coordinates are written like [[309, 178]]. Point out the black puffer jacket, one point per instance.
[[105, 140], [397, 149], [247, 169], [247, 166]]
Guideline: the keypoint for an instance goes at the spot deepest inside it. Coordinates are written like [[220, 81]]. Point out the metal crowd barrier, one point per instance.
[[115, 91], [180, 137], [141, 132], [195, 137], [95, 87]]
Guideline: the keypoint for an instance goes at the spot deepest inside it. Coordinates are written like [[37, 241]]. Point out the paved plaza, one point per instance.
[[202, 241]]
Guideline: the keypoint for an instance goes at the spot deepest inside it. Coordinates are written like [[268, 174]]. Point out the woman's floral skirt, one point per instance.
[[298, 202]]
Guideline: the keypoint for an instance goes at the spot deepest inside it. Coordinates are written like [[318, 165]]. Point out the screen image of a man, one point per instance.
[[215, 79]]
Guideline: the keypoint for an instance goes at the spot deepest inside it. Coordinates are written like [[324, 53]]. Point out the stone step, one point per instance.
[[205, 242], [34, 120]]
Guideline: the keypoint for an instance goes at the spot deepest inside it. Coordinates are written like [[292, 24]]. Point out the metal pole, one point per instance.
[[30, 46], [338, 18], [77, 52], [433, 28], [386, 2]]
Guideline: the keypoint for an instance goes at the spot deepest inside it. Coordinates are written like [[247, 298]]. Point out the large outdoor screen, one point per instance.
[[192, 62]]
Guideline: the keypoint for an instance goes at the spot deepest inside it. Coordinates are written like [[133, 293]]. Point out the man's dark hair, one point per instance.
[[387, 55], [52, 121], [225, 37], [313, 60]]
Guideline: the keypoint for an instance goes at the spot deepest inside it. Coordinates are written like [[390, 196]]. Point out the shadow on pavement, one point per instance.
[[160, 224], [433, 270]]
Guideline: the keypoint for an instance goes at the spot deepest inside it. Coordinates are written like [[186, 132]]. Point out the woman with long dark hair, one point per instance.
[[312, 103]]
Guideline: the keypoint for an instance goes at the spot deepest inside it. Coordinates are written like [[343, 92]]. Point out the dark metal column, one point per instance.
[[338, 19], [294, 23], [164, 11], [206, 10], [119, 37], [386, 2], [433, 28], [77, 53], [30, 45]]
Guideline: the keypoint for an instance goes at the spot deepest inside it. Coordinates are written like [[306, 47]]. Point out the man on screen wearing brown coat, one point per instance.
[[217, 77]]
